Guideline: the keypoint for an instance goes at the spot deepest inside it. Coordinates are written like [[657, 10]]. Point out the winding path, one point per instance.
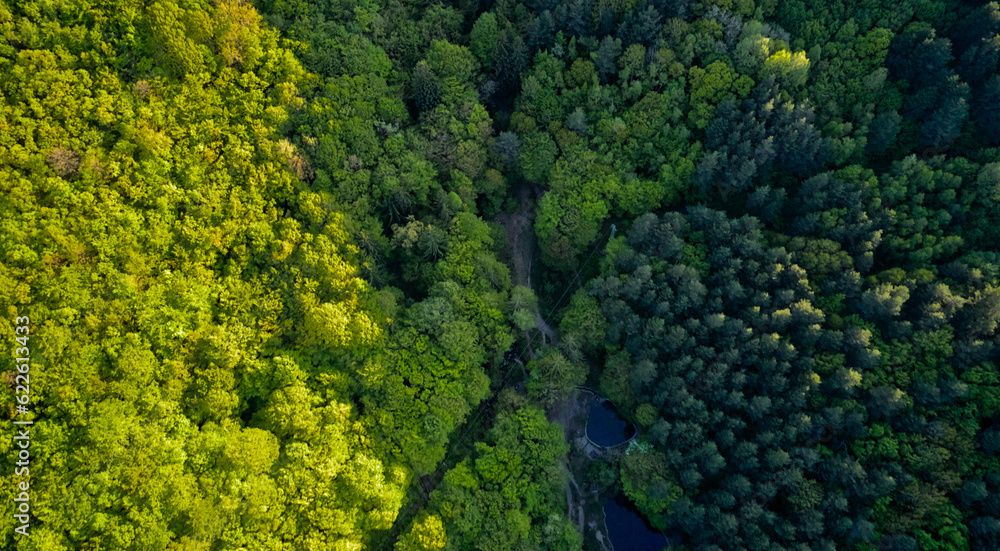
[[520, 252], [584, 510]]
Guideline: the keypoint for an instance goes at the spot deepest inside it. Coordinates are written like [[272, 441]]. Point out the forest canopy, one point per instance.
[[326, 275]]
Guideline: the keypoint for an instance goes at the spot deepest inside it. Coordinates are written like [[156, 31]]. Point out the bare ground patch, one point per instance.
[[584, 502]]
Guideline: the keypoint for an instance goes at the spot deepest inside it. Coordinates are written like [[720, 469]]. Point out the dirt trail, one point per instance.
[[520, 238], [520, 252], [584, 501], [584, 508], [545, 329]]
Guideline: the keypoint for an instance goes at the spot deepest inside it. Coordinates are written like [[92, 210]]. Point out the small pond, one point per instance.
[[628, 531], [605, 427]]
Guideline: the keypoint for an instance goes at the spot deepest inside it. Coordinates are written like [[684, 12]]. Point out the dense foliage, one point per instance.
[[264, 250], [219, 359]]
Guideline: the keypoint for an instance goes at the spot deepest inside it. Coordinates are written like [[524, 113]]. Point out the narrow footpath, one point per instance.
[[584, 505]]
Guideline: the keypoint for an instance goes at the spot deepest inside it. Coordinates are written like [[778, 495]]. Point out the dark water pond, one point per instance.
[[605, 427], [627, 530]]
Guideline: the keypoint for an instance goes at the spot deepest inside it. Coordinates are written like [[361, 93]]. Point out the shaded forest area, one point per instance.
[[261, 250]]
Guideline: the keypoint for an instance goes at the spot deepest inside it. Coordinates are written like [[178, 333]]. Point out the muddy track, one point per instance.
[[520, 253], [520, 249], [584, 508]]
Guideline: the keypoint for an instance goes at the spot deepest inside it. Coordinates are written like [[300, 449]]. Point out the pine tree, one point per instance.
[[577, 121], [427, 89], [541, 32], [944, 125], [577, 17], [640, 27], [483, 38], [606, 56], [882, 132], [507, 146], [509, 62]]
